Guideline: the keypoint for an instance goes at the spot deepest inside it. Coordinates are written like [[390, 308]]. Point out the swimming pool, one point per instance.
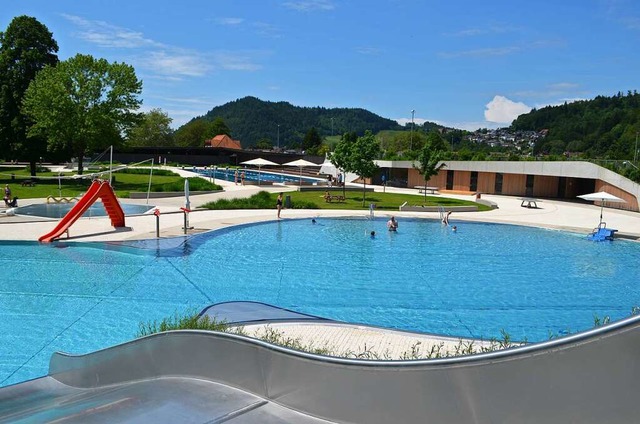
[[227, 174], [530, 282], [58, 210]]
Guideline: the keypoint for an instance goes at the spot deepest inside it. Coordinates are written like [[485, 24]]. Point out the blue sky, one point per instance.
[[466, 64]]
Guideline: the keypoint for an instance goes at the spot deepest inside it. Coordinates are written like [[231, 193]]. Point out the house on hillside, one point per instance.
[[223, 141]]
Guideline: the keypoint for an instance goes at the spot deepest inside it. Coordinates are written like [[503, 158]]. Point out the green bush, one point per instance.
[[195, 184], [261, 200]]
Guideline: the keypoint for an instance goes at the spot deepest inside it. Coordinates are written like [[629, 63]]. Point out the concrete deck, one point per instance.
[[578, 217]]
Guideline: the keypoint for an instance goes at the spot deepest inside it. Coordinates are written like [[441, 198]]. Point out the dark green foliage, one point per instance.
[[605, 127], [261, 200], [252, 119], [26, 47], [312, 141]]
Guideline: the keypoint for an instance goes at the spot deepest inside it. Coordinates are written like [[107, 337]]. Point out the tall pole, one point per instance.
[[411, 141]]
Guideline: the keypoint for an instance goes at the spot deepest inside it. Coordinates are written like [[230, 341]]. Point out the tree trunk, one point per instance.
[[364, 190], [80, 166], [425, 191], [33, 167]]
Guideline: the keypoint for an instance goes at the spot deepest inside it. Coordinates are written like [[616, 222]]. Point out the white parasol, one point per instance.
[[301, 163], [602, 197], [259, 162]]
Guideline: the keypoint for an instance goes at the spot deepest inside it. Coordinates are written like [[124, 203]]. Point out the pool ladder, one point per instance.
[[442, 212], [372, 207]]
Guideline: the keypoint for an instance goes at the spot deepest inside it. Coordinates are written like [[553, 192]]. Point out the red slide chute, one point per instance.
[[98, 190]]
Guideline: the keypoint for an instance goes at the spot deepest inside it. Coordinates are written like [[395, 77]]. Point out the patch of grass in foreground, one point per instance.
[[353, 200]]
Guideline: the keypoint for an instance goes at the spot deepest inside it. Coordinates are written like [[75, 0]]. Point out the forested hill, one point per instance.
[[251, 119], [605, 127]]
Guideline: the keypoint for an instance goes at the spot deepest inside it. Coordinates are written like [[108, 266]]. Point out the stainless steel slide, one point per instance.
[[203, 377]]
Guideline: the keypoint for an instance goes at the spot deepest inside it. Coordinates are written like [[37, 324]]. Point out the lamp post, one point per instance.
[[411, 138]]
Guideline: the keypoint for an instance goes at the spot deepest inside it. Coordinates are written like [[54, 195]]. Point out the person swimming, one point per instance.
[[392, 224]]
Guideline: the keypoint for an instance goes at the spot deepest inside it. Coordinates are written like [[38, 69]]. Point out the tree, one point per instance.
[[219, 127], [429, 160], [363, 153], [194, 133], [264, 144], [152, 130], [26, 47], [341, 156], [312, 141], [83, 104]]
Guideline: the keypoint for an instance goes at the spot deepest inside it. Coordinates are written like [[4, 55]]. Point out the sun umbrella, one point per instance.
[[602, 197], [259, 162], [301, 163]]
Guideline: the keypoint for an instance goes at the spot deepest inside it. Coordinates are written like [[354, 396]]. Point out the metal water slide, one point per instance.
[[206, 377]]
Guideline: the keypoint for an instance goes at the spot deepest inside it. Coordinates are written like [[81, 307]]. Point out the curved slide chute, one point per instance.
[[98, 190]]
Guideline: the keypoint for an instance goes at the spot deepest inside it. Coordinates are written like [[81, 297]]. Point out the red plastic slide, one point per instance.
[[98, 190]]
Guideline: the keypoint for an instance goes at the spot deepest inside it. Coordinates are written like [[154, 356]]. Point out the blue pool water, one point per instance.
[[252, 175], [78, 297], [58, 210]]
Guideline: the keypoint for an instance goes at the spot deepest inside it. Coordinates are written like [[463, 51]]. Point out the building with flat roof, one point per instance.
[[562, 179]]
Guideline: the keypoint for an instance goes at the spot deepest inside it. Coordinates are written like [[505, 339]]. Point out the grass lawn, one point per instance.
[[124, 183], [387, 201]]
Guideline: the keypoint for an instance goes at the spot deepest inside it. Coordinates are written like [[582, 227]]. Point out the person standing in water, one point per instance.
[[392, 224], [279, 204]]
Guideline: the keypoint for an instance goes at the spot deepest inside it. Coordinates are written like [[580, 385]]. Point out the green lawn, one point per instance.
[[388, 201], [123, 183]]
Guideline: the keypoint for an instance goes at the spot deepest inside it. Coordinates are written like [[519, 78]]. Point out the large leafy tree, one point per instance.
[[83, 104], [357, 156], [430, 160], [363, 153], [26, 47], [152, 130], [341, 156]]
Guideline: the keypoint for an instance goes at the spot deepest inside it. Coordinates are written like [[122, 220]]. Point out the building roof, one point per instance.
[[223, 140]]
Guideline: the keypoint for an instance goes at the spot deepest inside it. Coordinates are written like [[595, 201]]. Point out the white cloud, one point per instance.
[[486, 52], [230, 21], [503, 111], [107, 35], [175, 63], [309, 5], [368, 50]]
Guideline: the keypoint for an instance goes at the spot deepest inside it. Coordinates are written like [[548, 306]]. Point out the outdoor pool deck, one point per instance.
[[577, 217]]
